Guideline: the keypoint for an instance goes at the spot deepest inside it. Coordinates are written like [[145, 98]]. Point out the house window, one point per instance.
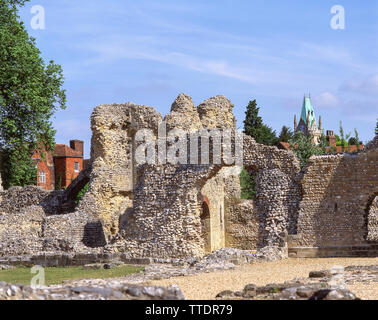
[[77, 167], [42, 177]]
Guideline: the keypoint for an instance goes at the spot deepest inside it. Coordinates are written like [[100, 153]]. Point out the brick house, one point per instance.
[[45, 169], [60, 167]]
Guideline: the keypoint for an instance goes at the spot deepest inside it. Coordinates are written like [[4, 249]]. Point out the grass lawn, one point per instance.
[[59, 274]]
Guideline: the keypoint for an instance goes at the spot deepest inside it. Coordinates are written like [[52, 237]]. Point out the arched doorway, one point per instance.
[[205, 226], [372, 219]]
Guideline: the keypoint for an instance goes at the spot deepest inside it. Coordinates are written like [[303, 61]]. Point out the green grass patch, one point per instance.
[[23, 275]]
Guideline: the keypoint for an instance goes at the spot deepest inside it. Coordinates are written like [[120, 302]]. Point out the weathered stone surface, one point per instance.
[[290, 291], [320, 274], [184, 211], [20, 232], [112, 178], [242, 224], [111, 291], [334, 210], [216, 112], [183, 115], [373, 221]]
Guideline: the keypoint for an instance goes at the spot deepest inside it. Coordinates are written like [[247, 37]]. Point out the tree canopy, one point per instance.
[[304, 148], [254, 126], [285, 135], [30, 92]]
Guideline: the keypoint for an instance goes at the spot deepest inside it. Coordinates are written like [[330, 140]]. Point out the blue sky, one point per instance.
[[148, 52]]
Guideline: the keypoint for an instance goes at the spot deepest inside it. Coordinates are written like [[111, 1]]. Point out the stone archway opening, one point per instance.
[[205, 226], [371, 214]]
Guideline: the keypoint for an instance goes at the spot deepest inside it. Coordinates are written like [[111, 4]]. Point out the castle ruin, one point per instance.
[[182, 210]]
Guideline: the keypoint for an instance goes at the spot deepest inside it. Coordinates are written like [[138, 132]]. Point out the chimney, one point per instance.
[[78, 146], [331, 138]]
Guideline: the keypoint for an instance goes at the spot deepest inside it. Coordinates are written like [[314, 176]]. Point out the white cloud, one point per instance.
[[326, 100], [369, 84]]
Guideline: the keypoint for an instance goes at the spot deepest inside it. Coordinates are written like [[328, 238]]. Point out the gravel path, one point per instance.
[[208, 285]]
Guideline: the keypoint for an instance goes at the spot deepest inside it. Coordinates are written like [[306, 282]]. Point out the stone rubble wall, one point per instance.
[[373, 221], [271, 203], [337, 190], [21, 232], [242, 225], [31, 231], [15, 199], [112, 177], [155, 210], [165, 221]]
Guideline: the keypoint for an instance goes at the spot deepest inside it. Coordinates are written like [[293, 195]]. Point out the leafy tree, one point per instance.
[[376, 128], [30, 92], [303, 148], [343, 138], [338, 140], [324, 143], [247, 184], [352, 141], [285, 135]]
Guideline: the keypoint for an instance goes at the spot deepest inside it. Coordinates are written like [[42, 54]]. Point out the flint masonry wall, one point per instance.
[[373, 221], [32, 221], [278, 190], [338, 193], [165, 220], [113, 172], [242, 225], [156, 210]]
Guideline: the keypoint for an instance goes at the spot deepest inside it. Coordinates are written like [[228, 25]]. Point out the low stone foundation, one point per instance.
[[334, 252]]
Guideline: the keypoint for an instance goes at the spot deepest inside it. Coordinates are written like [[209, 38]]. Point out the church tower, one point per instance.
[[307, 123]]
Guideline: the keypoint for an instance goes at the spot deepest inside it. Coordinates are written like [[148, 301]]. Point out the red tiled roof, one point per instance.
[[339, 149], [351, 148], [62, 150], [285, 145]]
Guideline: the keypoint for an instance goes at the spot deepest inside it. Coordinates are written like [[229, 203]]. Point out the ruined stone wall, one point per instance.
[[167, 205], [242, 225], [31, 231], [112, 177], [155, 210], [165, 220], [21, 232], [15, 199], [273, 189], [272, 163], [373, 221], [337, 191]]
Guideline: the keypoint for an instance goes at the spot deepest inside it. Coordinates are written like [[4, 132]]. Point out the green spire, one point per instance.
[[308, 111]]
